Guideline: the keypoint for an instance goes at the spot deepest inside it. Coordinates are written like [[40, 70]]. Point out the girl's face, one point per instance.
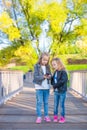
[[45, 60], [54, 65]]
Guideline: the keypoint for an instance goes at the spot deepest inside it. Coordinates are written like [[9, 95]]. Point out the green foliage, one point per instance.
[[61, 49], [76, 14], [22, 68], [61, 17], [5, 55], [64, 57], [27, 54]]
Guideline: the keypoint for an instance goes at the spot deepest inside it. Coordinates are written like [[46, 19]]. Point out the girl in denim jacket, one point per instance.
[[42, 76], [59, 82]]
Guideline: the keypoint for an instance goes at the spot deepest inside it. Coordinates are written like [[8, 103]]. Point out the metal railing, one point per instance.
[[78, 82], [28, 77], [11, 83]]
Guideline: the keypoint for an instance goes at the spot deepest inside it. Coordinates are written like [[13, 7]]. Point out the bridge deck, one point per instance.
[[19, 112]]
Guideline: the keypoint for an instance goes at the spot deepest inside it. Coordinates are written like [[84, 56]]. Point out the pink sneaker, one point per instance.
[[55, 118], [47, 119], [38, 120], [62, 119]]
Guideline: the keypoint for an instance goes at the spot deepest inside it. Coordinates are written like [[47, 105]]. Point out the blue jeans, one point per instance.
[[59, 98], [42, 96]]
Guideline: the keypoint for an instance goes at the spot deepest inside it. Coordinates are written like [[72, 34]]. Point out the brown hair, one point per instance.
[[41, 56], [59, 62]]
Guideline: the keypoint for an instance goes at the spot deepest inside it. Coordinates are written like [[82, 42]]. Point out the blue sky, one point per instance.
[[1, 6], [3, 45], [4, 42]]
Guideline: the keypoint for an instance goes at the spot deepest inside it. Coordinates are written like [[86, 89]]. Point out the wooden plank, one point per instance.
[[20, 113], [43, 126]]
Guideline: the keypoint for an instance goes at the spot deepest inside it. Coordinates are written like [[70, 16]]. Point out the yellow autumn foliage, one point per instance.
[[82, 28], [7, 26], [27, 54], [57, 15], [53, 12]]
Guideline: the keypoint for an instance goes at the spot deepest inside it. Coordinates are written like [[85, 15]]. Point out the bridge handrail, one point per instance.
[[78, 82], [11, 83], [28, 77]]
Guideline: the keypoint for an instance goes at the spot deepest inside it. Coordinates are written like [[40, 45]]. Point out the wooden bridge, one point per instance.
[[19, 113]]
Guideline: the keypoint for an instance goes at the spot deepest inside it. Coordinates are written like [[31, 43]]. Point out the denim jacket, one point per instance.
[[38, 74]]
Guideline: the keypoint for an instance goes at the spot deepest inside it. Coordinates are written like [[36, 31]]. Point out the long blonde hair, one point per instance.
[[42, 55], [60, 63]]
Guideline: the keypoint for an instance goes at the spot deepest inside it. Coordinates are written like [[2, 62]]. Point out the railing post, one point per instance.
[[78, 82], [11, 83], [29, 77]]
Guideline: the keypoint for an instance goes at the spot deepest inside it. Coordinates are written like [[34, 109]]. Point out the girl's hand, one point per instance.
[[45, 76], [48, 76]]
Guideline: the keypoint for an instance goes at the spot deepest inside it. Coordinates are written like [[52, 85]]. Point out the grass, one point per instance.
[[22, 68], [76, 67], [68, 67]]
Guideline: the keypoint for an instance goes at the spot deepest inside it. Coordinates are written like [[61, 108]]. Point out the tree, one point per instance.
[[67, 21], [27, 54], [7, 54], [7, 25], [36, 11], [75, 26]]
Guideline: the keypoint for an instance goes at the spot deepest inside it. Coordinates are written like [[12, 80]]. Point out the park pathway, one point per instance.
[[19, 112]]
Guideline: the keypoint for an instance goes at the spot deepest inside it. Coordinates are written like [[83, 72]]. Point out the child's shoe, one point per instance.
[[47, 119], [38, 120], [55, 118], [62, 119]]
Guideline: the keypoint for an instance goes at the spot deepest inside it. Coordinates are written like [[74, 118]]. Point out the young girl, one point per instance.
[[59, 82], [42, 76]]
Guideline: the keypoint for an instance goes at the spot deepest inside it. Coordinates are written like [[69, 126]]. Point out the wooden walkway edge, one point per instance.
[[19, 113]]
